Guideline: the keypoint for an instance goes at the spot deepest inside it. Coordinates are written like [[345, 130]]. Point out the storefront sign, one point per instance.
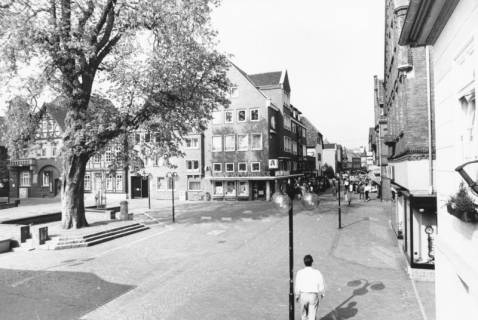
[[273, 164]]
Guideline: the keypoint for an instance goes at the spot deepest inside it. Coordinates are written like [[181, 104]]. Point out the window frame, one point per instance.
[[229, 163], [239, 165], [192, 165], [252, 166], [238, 142], [233, 148], [225, 116], [258, 114], [214, 169], [245, 115], [25, 179], [221, 147], [252, 141]]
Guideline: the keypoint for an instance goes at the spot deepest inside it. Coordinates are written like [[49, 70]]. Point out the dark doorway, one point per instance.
[[57, 187], [139, 187]]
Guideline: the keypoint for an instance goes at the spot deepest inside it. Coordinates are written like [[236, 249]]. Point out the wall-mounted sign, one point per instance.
[[273, 164]]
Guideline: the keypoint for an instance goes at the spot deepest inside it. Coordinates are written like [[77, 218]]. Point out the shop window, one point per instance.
[[218, 188], [228, 117], [241, 116], [242, 167], [194, 183], [217, 167], [243, 188], [254, 114], [25, 179], [231, 188], [230, 167], [242, 142], [230, 143], [159, 183], [256, 141], [217, 143], [255, 166]]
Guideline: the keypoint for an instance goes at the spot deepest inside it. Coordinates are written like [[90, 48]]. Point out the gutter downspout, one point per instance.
[[429, 111]]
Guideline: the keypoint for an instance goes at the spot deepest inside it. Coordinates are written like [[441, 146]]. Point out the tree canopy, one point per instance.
[[154, 60]]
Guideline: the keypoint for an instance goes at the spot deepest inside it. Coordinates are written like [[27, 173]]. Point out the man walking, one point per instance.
[[309, 288]]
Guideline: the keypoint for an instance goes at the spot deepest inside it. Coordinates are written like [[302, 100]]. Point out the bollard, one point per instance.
[[124, 210]]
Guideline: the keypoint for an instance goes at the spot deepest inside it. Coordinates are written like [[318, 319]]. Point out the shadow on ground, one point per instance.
[[26, 294], [348, 309]]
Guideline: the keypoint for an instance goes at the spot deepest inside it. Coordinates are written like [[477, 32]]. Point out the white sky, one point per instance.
[[331, 50]]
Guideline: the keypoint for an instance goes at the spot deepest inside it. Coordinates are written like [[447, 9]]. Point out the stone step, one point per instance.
[[86, 236], [98, 235], [101, 237]]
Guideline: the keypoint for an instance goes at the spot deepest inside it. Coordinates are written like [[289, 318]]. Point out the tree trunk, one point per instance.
[[72, 192]]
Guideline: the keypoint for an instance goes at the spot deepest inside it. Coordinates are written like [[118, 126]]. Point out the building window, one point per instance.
[[242, 167], [255, 166], [159, 183], [303, 132], [233, 92], [242, 142], [171, 183], [254, 114], [25, 180], [218, 188], [294, 147], [217, 117], [287, 122], [217, 167], [241, 116], [119, 182], [137, 137], [87, 181], [217, 143], [192, 143], [256, 141], [469, 125], [230, 143], [43, 150], [46, 178], [229, 167], [192, 165], [53, 150], [294, 127], [97, 158], [228, 117], [109, 156]]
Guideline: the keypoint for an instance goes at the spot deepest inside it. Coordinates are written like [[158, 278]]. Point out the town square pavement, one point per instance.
[[221, 260]]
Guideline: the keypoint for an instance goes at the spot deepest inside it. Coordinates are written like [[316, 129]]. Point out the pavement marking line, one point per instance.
[[206, 218], [419, 300], [167, 229]]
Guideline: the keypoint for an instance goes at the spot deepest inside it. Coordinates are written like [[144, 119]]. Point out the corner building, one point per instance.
[[257, 144]]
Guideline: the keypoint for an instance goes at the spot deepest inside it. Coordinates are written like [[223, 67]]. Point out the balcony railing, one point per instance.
[[21, 163]]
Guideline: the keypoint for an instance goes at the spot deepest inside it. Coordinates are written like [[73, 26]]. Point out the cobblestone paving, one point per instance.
[[230, 261]]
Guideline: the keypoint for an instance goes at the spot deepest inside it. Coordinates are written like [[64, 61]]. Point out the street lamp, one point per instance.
[[338, 194], [284, 203], [145, 176], [172, 175]]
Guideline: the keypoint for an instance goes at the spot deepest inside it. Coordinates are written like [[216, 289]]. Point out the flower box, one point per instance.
[[463, 206]]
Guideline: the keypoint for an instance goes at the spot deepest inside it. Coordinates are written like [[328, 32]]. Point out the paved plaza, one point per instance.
[[221, 260]]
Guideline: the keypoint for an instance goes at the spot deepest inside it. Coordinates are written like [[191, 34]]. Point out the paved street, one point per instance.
[[221, 260]]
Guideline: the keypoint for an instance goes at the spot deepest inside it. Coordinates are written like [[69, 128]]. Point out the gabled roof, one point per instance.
[[266, 79]]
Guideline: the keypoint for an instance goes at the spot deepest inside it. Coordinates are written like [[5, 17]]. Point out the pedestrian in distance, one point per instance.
[[367, 190], [361, 191], [309, 289]]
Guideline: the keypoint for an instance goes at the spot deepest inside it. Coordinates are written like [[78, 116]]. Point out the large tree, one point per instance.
[[155, 60]]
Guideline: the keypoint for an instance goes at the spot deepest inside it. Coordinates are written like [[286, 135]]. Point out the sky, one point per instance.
[[330, 49]]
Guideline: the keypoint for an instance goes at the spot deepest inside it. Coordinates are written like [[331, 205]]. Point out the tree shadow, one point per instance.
[[27, 294], [348, 309]]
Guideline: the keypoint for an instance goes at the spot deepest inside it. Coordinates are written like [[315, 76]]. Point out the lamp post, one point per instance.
[[172, 175], [284, 203], [338, 194], [145, 175]]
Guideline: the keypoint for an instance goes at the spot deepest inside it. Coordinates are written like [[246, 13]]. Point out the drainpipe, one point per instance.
[[429, 111]]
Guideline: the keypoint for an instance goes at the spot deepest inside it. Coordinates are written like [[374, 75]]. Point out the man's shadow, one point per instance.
[[347, 309]]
